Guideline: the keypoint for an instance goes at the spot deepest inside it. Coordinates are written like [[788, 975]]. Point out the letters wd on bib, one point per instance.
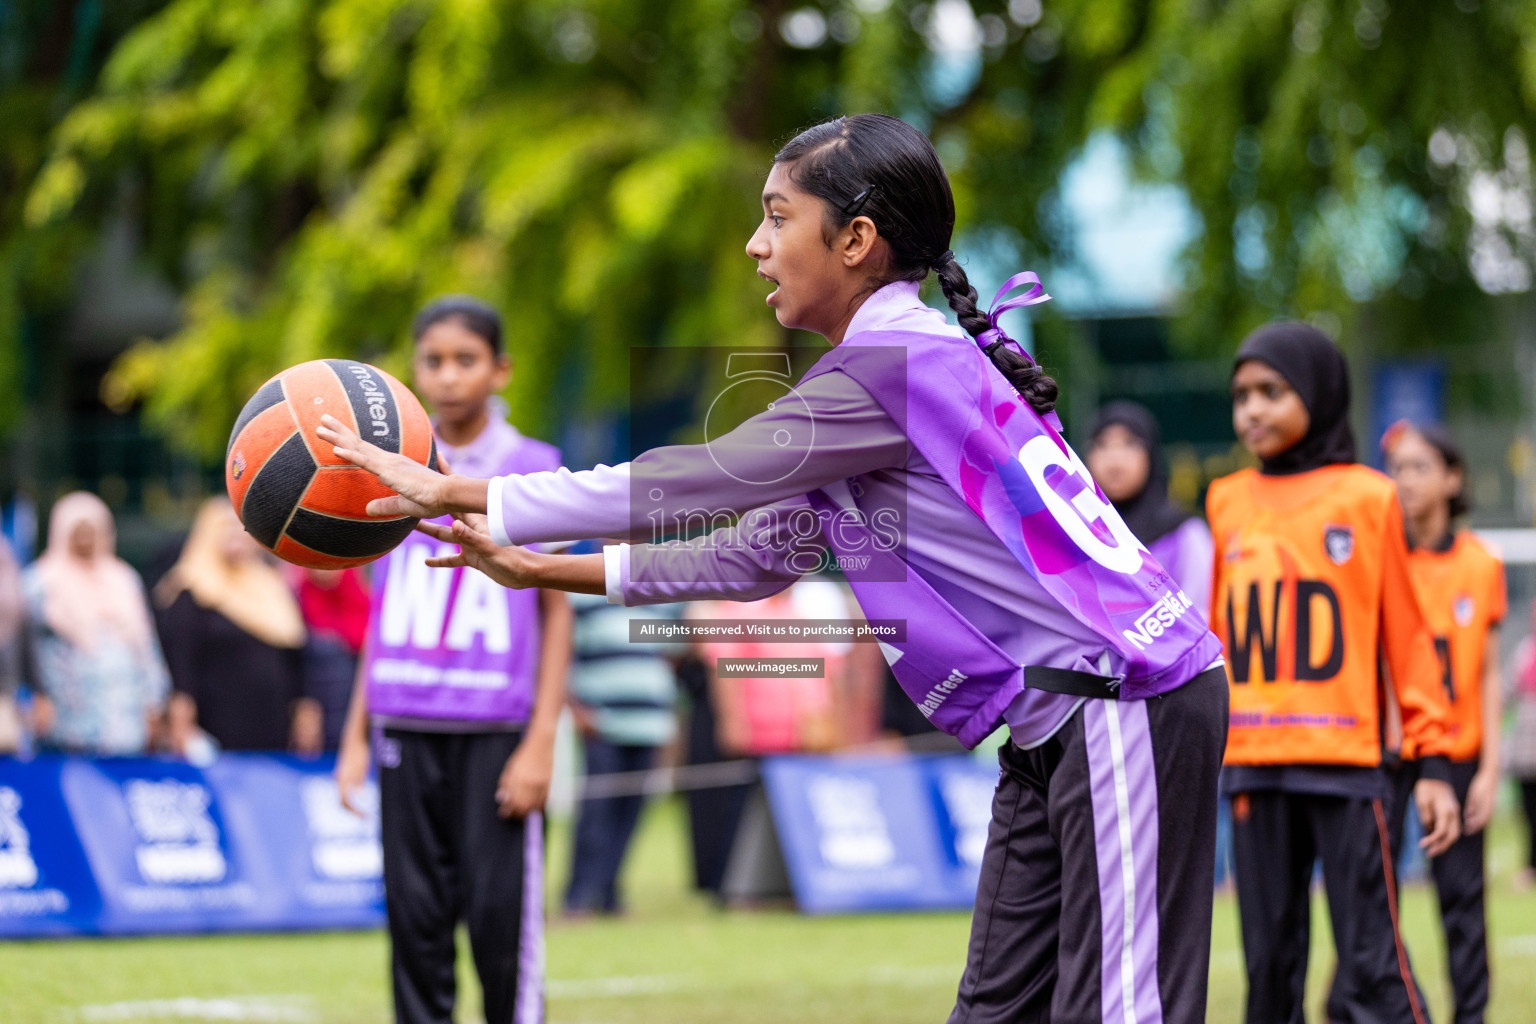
[[136, 845]]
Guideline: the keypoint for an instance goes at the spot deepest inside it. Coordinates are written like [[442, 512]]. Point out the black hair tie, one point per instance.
[[945, 259]]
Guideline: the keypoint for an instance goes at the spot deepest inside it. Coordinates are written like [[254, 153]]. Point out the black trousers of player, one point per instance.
[[1094, 903], [1277, 838], [1458, 874], [448, 857]]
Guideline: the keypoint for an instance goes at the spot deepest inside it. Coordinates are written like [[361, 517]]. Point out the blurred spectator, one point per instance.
[[736, 718], [778, 714], [712, 810], [623, 698], [101, 681], [234, 641], [1125, 456], [12, 645], [1520, 752], [335, 607]]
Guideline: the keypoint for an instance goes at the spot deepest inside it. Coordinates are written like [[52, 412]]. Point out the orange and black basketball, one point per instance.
[[293, 493]]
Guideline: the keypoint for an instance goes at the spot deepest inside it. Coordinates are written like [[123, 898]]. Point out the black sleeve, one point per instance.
[[180, 630]]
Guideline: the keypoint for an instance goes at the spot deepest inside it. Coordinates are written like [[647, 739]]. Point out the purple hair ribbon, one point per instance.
[[1033, 295]]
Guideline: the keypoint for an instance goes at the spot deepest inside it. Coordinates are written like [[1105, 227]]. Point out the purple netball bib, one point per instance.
[[1014, 470], [451, 644]]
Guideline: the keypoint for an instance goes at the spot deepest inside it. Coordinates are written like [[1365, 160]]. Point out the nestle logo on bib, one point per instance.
[[1156, 620]]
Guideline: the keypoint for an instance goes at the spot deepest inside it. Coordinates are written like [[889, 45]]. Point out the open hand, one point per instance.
[[1481, 797], [524, 782], [1439, 813], [352, 771], [419, 491], [513, 566]]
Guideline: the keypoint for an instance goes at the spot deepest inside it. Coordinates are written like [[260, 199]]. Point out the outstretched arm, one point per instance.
[[766, 551], [835, 430], [513, 566]]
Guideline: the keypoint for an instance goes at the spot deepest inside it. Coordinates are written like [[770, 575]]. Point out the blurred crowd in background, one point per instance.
[[219, 647]]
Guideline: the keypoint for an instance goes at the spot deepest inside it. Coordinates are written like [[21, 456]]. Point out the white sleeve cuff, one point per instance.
[[494, 512], [613, 572]]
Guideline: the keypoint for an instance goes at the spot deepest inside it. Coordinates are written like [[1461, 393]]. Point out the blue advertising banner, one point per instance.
[[881, 833], [1412, 390], [135, 845]]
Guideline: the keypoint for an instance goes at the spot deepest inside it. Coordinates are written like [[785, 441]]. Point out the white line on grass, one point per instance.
[[926, 976], [1518, 945], [621, 985], [261, 1009]]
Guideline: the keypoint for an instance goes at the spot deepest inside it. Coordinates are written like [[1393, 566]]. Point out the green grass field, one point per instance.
[[674, 959]]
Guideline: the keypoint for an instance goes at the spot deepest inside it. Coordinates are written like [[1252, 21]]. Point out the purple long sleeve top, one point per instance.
[[1187, 554], [943, 540]]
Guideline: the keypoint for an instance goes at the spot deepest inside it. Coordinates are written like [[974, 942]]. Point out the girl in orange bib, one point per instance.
[[1460, 586], [1310, 595]]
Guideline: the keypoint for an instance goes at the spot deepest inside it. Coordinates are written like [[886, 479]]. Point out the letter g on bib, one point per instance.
[[1075, 516]]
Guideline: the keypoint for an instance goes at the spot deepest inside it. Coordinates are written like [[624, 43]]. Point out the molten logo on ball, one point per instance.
[[378, 409]]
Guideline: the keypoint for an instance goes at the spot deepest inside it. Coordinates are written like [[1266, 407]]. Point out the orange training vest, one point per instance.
[[1310, 588], [1462, 593]]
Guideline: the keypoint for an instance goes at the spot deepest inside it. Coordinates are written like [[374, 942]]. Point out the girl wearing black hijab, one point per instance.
[[1126, 459], [1311, 593]]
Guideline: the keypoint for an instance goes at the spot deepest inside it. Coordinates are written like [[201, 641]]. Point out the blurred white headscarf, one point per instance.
[[91, 592]]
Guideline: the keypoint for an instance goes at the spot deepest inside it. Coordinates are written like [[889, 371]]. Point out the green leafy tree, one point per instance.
[[313, 170], [308, 171], [50, 51], [1344, 155]]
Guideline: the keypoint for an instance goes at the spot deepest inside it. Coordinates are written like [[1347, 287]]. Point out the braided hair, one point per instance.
[[880, 167]]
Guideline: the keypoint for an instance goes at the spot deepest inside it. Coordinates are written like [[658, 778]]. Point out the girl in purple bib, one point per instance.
[[460, 684], [928, 466]]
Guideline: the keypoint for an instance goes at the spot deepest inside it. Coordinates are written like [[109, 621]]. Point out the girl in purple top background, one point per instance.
[[462, 683], [1023, 596], [1125, 456]]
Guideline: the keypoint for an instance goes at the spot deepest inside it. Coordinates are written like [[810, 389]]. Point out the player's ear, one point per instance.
[[859, 240], [503, 374]]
